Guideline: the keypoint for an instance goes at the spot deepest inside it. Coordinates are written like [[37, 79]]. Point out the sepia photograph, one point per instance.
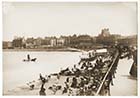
[[69, 48]]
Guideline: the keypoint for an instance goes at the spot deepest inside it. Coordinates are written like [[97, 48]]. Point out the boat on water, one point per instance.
[[29, 59]]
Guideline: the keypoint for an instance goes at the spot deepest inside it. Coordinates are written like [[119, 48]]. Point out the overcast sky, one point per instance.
[[55, 19]]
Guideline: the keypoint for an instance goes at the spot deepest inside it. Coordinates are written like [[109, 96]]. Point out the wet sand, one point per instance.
[[124, 84]]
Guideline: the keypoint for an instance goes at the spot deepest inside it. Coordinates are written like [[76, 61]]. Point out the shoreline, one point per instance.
[[44, 50]]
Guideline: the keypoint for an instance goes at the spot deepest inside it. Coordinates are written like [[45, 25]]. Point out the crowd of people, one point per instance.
[[85, 79]]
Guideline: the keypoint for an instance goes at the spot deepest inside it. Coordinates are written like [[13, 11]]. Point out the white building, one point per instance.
[[53, 42], [60, 41]]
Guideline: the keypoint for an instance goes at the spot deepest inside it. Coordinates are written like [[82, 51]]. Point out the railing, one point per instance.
[[104, 79]]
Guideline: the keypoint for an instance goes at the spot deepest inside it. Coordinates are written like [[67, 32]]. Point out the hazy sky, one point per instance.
[[55, 19]]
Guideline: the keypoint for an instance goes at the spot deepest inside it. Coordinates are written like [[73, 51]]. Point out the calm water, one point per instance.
[[16, 72]]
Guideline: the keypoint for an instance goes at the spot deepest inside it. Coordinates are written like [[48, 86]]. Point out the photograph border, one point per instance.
[[1, 36]]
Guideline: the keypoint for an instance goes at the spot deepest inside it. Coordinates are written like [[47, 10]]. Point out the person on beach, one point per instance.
[[67, 80], [110, 78], [31, 85], [28, 57], [42, 79], [42, 90], [65, 90], [81, 82], [74, 82], [58, 76]]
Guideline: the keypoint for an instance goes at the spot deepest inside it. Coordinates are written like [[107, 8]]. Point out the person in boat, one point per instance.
[[34, 59], [28, 57]]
